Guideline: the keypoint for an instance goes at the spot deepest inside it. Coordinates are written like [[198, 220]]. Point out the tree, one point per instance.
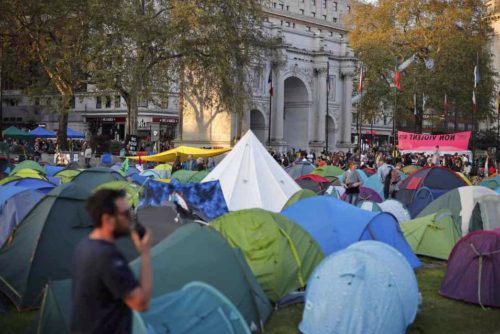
[[50, 41], [451, 34], [201, 48]]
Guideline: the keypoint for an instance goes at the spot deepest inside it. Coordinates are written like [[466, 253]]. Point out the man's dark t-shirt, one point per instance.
[[101, 279]]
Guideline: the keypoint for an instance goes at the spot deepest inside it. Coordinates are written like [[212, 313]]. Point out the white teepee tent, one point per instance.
[[251, 178]]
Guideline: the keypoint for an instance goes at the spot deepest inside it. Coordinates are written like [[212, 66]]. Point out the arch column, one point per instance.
[[345, 130], [318, 131]]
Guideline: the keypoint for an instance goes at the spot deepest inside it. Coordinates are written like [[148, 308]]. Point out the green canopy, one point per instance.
[[42, 246], [189, 176], [94, 177], [13, 132], [29, 164], [302, 193], [330, 172], [133, 191], [281, 254], [434, 235], [67, 175], [195, 253]]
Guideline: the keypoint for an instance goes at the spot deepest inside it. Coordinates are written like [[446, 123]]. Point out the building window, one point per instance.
[[334, 20], [108, 101], [73, 102], [320, 31], [301, 12], [313, 14], [288, 8], [308, 28], [324, 4], [281, 22], [143, 103], [98, 102], [331, 33], [288, 24], [335, 6], [117, 101], [313, 2], [293, 24], [324, 17], [348, 9], [282, 6], [274, 4]]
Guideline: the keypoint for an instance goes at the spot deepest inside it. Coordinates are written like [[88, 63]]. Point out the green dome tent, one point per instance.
[[42, 246], [94, 177], [434, 235], [302, 193], [67, 175], [189, 176], [23, 174], [461, 202], [281, 254], [29, 164], [195, 253], [330, 172]]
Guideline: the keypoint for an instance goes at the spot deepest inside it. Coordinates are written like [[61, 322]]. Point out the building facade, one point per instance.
[[311, 107], [313, 75]]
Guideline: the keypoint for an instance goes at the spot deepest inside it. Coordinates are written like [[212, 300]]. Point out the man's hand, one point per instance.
[[142, 245]]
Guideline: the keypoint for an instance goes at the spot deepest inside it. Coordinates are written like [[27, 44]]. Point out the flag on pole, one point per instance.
[[270, 83], [474, 105], [415, 104], [361, 78], [124, 168], [477, 75], [397, 79]]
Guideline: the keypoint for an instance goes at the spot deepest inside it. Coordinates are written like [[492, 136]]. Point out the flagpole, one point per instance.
[[270, 81], [394, 116], [327, 111]]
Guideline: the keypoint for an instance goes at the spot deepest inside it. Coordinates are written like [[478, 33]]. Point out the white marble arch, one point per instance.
[[296, 113], [258, 125]]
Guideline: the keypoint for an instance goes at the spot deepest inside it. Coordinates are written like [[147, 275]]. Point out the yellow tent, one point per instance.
[[183, 152]]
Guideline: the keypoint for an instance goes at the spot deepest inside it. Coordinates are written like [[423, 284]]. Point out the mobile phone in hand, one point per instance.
[[139, 229]]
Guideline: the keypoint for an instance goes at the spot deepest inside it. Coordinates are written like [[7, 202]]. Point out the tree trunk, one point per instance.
[[62, 137], [132, 113]]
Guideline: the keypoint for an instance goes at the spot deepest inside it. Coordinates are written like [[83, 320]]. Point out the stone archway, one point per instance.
[[258, 125], [332, 140], [296, 114]]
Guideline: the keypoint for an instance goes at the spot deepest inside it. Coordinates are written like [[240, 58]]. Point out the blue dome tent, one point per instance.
[[335, 225], [40, 185], [52, 170], [15, 203], [366, 288]]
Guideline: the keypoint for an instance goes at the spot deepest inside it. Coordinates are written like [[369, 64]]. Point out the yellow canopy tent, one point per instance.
[[182, 152]]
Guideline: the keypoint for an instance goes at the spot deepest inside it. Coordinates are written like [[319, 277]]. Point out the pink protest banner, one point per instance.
[[450, 142]]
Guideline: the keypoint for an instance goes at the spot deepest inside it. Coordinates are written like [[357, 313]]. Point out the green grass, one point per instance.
[[438, 315]]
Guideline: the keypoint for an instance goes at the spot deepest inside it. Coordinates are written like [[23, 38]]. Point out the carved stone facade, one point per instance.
[[313, 42]]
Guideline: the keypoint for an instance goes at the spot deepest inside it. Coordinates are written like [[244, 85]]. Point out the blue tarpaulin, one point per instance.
[[42, 133], [206, 197]]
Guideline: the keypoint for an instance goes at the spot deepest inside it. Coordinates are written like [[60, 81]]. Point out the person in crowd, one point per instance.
[[177, 164], [189, 164], [467, 169], [395, 178], [105, 291], [200, 164], [383, 171], [87, 154], [436, 157], [351, 182]]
